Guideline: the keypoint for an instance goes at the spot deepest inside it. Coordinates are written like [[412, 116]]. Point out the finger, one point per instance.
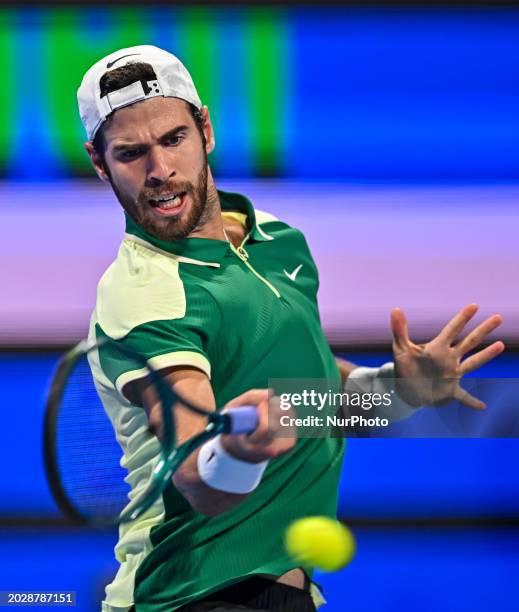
[[481, 357], [252, 396], [262, 429], [469, 400], [457, 323], [478, 334], [399, 328], [276, 427]]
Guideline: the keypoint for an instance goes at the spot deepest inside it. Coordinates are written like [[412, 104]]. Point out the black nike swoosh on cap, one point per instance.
[[110, 64]]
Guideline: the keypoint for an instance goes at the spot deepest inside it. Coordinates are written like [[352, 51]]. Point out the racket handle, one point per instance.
[[243, 420]]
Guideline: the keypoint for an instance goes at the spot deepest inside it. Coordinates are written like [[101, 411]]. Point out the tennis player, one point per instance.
[[220, 297]]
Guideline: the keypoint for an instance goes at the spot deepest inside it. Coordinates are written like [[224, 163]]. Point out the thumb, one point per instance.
[[251, 397], [399, 328]]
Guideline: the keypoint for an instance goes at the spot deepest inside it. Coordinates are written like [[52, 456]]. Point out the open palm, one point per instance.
[[429, 374]]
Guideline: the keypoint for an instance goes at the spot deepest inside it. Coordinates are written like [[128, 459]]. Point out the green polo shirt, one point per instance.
[[243, 316]]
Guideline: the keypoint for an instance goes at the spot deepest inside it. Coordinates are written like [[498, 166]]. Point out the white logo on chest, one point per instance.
[[292, 275]]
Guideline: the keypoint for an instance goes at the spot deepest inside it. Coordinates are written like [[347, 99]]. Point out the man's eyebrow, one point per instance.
[[168, 135]]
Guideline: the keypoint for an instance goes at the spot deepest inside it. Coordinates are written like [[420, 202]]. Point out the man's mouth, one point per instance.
[[169, 204]]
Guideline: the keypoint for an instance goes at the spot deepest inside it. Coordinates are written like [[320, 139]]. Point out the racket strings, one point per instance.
[[87, 452]]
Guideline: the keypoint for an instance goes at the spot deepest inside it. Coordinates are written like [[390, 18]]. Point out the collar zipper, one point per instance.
[[242, 254]]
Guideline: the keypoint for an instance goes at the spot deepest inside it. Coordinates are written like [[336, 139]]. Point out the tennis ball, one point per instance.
[[320, 542]]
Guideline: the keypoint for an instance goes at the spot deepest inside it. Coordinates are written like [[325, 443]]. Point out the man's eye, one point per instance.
[[129, 154], [174, 140]]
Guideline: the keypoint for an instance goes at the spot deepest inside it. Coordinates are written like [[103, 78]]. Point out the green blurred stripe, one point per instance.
[[8, 113], [267, 78], [66, 32], [69, 49], [199, 43]]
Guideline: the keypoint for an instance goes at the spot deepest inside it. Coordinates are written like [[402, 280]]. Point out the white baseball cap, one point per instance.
[[173, 81]]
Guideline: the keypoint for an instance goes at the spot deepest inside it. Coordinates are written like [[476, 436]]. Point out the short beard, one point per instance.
[[175, 228]]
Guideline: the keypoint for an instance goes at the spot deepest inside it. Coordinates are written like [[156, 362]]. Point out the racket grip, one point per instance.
[[243, 420]]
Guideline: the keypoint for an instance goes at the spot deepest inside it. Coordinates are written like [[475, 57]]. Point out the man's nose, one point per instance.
[[160, 166]]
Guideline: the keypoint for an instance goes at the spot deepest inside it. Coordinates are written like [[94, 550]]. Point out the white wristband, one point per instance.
[[379, 380], [219, 470]]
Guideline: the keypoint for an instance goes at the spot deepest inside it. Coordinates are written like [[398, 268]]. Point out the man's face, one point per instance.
[[158, 167]]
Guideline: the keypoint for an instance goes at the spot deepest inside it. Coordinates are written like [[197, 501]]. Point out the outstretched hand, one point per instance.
[[430, 373]]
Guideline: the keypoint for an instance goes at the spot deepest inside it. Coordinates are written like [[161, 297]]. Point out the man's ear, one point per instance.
[[97, 162], [208, 130]]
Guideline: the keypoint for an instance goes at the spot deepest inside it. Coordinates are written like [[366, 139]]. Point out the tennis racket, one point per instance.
[[82, 457]]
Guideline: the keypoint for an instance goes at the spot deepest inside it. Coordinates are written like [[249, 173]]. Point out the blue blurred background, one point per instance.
[[392, 117]]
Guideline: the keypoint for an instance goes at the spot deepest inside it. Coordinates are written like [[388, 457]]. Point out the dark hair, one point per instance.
[[124, 76]]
